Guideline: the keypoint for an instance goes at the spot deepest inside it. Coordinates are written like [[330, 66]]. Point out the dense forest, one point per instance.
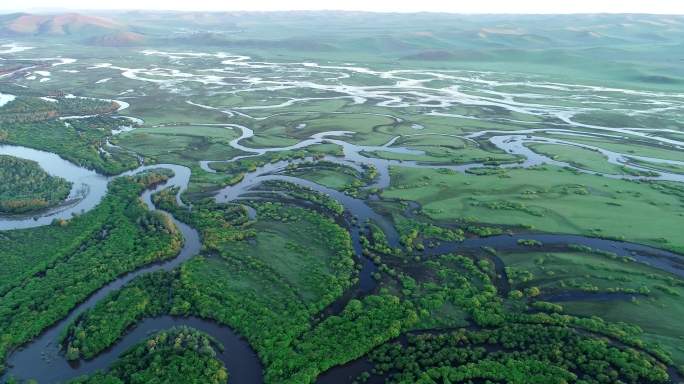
[[516, 354], [25, 187], [177, 355], [32, 109], [263, 303], [77, 256], [81, 141], [467, 327]]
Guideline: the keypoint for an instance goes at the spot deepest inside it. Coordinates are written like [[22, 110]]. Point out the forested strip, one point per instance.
[[178, 355], [25, 109], [123, 235], [25, 187], [79, 140]]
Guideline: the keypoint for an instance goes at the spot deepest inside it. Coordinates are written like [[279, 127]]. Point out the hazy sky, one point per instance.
[[457, 6]]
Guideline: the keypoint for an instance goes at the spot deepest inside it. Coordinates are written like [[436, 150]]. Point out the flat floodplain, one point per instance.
[[423, 198]]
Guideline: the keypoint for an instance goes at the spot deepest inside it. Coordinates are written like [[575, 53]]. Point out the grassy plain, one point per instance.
[[273, 278], [578, 157], [650, 297], [444, 149], [548, 199]]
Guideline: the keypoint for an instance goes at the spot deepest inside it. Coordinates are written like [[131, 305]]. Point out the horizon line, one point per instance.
[[86, 10]]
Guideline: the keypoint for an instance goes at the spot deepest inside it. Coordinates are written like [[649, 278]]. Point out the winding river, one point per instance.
[[42, 358], [88, 188]]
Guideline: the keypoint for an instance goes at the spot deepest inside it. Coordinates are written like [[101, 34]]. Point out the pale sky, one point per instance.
[[454, 6]]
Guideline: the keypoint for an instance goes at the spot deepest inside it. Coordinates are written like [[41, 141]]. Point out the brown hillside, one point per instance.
[[62, 24]]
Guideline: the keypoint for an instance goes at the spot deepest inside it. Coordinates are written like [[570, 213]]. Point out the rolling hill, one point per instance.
[[25, 24]]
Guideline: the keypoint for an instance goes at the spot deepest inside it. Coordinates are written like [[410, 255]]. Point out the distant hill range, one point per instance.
[[94, 30], [444, 40], [56, 25]]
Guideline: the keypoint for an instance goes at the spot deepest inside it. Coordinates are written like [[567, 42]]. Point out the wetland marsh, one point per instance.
[[239, 214]]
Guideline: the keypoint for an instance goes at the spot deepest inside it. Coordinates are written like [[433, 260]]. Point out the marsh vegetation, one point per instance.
[[433, 212]]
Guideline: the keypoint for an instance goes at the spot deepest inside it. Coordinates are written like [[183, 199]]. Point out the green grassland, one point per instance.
[[286, 130], [175, 111], [304, 258], [548, 199], [656, 295], [672, 168], [331, 179], [631, 147], [578, 157], [184, 145], [444, 150], [330, 175]]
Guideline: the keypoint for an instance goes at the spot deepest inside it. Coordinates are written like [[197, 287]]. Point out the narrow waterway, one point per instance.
[[88, 188], [42, 358]]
